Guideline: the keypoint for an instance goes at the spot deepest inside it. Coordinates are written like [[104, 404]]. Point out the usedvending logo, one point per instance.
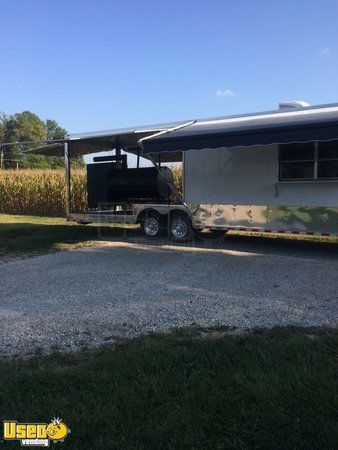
[[35, 434]]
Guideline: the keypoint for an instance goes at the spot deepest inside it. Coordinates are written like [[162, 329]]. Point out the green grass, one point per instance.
[[261, 391], [26, 234]]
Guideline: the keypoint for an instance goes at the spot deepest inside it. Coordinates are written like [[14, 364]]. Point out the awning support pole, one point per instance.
[[67, 176]]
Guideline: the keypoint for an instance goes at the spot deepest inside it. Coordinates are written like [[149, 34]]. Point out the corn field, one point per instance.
[[40, 192], [43, 192]]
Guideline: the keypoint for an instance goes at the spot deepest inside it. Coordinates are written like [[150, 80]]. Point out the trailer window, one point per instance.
[[297, 161], [310, 161], [328, 160]]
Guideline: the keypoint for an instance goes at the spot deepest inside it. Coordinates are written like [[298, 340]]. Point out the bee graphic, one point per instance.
[[57, 430]]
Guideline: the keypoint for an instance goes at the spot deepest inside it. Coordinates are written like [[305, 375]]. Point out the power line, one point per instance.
[[52, 141]]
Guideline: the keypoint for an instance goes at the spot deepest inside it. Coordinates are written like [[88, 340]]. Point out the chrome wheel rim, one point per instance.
[[151, 226], [179, 229]]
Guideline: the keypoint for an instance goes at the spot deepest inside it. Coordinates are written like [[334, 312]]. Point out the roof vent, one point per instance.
[[293, 104]]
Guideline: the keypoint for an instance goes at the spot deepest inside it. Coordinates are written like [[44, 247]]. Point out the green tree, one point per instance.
[[3, 126], [3, 122], [28, 127], [54, 131], [24, 127]]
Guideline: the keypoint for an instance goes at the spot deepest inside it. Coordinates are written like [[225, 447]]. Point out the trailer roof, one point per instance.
[[167, 141]]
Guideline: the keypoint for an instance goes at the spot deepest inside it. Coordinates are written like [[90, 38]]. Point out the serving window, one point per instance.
[[309, 161]]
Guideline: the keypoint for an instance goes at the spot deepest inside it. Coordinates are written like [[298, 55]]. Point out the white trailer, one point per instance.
[[274, 171]]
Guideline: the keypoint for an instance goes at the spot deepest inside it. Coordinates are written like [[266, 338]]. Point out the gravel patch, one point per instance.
[[85, 297]]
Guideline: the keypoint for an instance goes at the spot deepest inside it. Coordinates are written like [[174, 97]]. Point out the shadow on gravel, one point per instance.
[[266, 244], [250, 244]]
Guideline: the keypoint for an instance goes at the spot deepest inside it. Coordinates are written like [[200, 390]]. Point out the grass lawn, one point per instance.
[[260, 391], [27, 234]]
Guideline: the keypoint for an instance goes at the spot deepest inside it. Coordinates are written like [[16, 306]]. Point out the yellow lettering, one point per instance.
[[41, 431], [31, 431], [10, 430], [21, 431], [15, 430]]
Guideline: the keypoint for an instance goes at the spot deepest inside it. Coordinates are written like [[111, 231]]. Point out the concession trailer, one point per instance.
[[274, 171]]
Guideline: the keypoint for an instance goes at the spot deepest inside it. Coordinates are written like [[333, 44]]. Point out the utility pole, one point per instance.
[[1, 159]]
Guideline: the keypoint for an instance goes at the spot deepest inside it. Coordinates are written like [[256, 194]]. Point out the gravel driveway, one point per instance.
[[93, 295]]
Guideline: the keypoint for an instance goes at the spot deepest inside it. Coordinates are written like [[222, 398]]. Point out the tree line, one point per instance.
[[28, 127]]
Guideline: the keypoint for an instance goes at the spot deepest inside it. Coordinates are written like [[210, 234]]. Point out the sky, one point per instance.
[[104, 64]]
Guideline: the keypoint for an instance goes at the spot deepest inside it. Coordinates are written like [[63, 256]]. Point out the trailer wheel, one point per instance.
[[210, 234], [180, 228], [153, 225]]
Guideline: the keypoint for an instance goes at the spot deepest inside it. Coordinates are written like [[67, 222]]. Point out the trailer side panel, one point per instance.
[[240, 188]]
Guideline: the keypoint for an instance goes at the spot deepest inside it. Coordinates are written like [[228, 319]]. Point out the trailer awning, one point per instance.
[[316, 123], [125, 138], [166, 142]]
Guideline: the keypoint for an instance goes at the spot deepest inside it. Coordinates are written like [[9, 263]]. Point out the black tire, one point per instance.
[[216, 235], [153, 225], [180, 229]]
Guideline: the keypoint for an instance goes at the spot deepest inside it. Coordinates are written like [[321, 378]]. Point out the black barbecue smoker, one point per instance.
[[118, 194], [110, 182]]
